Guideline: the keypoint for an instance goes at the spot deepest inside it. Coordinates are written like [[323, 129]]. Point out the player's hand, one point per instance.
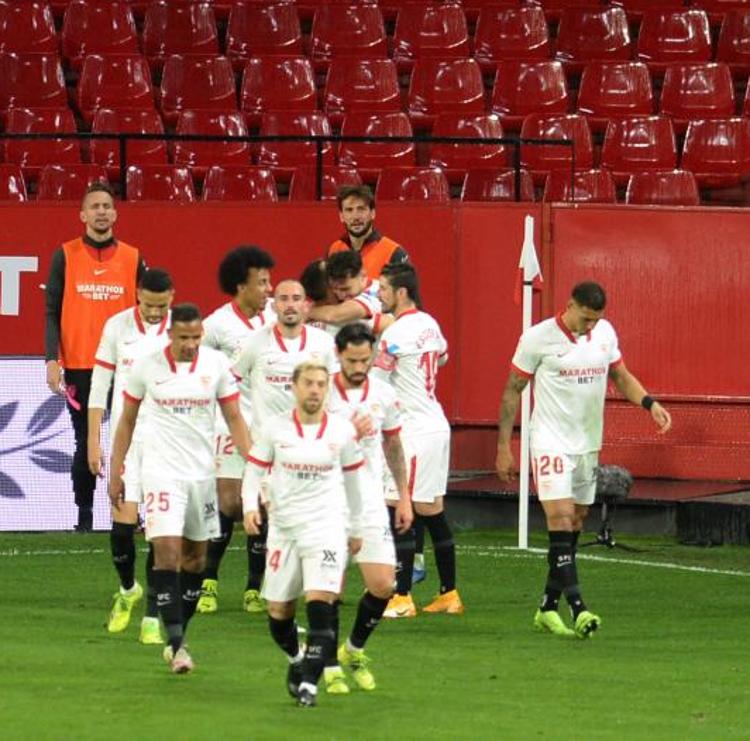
[[252, 521], [505, 465], [96, 460], [662, 417], [116, 491], [363, 425], [55, 378], [404, 516], [355, 546]]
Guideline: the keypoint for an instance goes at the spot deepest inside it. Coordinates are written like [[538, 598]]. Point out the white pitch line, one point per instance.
[[490, 551]]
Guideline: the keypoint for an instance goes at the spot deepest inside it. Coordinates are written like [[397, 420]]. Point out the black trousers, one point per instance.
[[78, 382]]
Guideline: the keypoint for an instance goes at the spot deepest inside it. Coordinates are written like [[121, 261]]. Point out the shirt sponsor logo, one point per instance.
[[100, 291]]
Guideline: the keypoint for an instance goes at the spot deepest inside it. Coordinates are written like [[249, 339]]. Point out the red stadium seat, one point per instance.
[[663, 188], [347, 31], [542, 159], [193, 82], [413, 184], [284, 157], [592, 34], [239, 183], [636, 8], [613, 90], [178, 28], [33, 154], [199, 156], [429, 30], [369, 85], [514, 33], [637, 144], [12, 184], [693, 91], [716, 151], [456, 159], [106, 152], [27, 28], [303, 185], [119, 82], [717, 9], [554, 9], [159, 183], [496, 185], [585, 186], [67, 182], [371, 157], [451, 86], [277, 84], [734, 41], [522, 88], [32, 81], [673, 36], [263, 30], [92, 27]]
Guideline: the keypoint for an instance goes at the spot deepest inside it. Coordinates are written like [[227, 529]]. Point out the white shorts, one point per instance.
[[132, 475], [377, 545], [293, 568], [185, 509], [564, 476], [427, 462], [229, 463]]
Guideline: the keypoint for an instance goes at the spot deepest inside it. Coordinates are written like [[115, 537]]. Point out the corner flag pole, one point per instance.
[[529, 265]]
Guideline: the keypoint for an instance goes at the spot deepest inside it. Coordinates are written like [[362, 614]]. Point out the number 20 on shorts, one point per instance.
[[545, 464]]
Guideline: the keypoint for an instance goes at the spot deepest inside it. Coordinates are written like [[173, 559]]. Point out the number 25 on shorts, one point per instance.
[[156, 502]]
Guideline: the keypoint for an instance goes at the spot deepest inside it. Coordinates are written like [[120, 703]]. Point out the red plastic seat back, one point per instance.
[[541, 159], [674, 36], [699, 90], [68, 182], [27, 27], [107, 151], [12, 184], [202, 155], [263, 30], [238, 183], [496, 185], [32, 81], [370, 157], [160, 183], [456, 159], [663, 188], [512, 33], [303, 185], [585, 186], [615, 89], [593, 34], [347, 31], [412, 184], [284, 157]]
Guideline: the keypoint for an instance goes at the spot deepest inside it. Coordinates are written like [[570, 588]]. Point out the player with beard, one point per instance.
[[356, 205]]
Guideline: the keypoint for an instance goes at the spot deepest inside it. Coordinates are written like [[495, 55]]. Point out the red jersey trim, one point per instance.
[[129, 397], [236, 375], [170, 360], [353, 466], [139, 320], [412, 475], [258, 461], [105, 364], [520, 372], [393, 431], [231, 397], [376, 323], [280, 339], [163, 325], [407, 312], [368, 311], [338, 383], [243, 318], [564, 329], [301, 432]]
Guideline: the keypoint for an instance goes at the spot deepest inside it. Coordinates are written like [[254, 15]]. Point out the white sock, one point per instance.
[[131, 591], [311, 688], [419, 561]]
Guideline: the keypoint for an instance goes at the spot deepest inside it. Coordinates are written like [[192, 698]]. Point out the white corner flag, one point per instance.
[[529, 272]]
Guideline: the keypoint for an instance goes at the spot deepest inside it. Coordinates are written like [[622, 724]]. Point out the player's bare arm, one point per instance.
[[396, 460], [120, 446], [504, 463], [251, 517], [230, 409], [632, 389], [55, 378], [95, 460], [348, 311]]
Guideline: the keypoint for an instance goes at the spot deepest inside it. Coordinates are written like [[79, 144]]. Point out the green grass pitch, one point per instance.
[[671, 661]]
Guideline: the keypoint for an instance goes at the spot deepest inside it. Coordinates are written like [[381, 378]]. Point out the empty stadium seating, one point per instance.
[[412, 184], [199, 156], [733, 46], [496, 185], [12, 184], [673, 36], [585, 186], [159, 183], [544, 158], [663, 188], [239, 183], [68, 182], [303, 185], [510, 33], [31, 81], [353, 31], [716, 151], [27, 27], [284, 157], [591, 34]]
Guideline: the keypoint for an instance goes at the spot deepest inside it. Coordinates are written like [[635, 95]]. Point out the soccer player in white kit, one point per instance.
[[570, 357], [245, 275], [183, 386], [354, 394], [126, 336], [412, 350], [315, 511]]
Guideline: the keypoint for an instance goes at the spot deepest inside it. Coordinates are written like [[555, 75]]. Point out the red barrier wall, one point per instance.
[[676, 279]]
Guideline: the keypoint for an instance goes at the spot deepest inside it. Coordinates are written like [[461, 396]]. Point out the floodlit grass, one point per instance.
[[671, 661]]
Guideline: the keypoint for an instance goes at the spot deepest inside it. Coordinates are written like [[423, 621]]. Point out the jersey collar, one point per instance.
[[339, 384], [301, 432], [407, 312], [567, 332], [243, 318], [280, 339], [173, 365], [142, 327]]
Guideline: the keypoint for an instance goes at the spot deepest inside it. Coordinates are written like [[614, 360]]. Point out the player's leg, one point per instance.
[[419, 573], [334, 678], [122, 547], [256, 567], [191, 574], [78, 383], [401, 604], [150, 629]]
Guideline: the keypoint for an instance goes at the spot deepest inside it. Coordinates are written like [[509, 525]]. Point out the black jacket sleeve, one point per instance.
[[54, 299]]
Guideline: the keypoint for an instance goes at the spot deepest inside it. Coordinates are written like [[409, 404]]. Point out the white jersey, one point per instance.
[[410, 352], [267, 362], [306, 491], [370, 302], [570, 381], [178, 442], [227, 329], [377, 399], [125, 338]]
